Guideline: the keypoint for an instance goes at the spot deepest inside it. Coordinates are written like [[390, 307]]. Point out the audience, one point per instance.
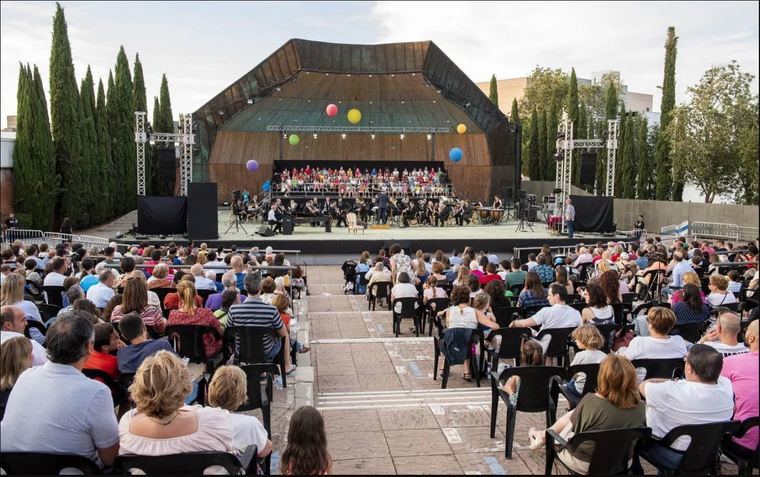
[[229, 298], [657, 344], [719, 293], [403, 289], [691, 309], [533, 294], [103, 290], [723, 337], [139, 346], [189, 314], [13, 326], [558, 315], [214, 301], [588, 340], [59, 426], [306, 452], [101, 357], [135, 300], [598, 311], [12, 294], [531, 354], [15, 358], [160, 277], [744, 373]]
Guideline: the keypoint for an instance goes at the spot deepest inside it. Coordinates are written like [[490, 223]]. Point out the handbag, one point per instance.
[[622, 339]]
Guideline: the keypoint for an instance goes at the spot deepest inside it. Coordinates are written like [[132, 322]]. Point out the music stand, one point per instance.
[[237, 225], [523, 209]]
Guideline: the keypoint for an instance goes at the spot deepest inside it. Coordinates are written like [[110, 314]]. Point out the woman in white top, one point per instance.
[[228, 391], [161, 424], [719, 294], [658, 345], [404, 288], [598, 312], [431, 290]]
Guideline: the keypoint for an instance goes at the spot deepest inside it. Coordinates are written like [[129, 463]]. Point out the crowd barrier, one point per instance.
[[30, 236]]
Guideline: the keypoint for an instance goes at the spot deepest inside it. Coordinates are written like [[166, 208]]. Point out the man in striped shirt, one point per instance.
[[254, 312]]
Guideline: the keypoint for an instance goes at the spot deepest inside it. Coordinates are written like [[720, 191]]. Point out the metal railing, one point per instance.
[[31, 236]]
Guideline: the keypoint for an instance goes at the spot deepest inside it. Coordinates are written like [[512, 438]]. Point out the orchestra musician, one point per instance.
[[431, 212], [361, 209], [462, 213], [336, 214], [274, 221], [497, 203], [409, 212], [444, 210]]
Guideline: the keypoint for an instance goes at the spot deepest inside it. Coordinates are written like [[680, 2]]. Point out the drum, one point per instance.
[[496, 215], [485, 215]]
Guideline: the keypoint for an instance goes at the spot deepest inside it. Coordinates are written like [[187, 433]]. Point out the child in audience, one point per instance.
[[228, 391], [734, 282], [589, 340], [16, 354], [306, 452], [281, 303], [531, 354], [229, 298]]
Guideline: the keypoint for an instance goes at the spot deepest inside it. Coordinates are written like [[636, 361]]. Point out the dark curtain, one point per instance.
[[162, 215], [593, 214]]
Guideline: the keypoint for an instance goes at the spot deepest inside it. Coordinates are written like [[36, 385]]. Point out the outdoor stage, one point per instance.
[[314, 240]]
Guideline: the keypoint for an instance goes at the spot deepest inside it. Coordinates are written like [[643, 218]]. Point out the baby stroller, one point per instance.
[[349, 274]]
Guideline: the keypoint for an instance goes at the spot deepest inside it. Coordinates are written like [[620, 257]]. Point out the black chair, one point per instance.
[[666, 368], [583, 271], [54, 295], [432, 307], [573, 298], [591, 371], [246, 345], [48, 311], [746, 459], [651, 289], [701, 457], [558, 346], [187, 341], [606, 331], [511, 340], [578, 306], [36, 325], [620, 311], [612, 449], [691, 332], [628, 298], [516, 289], [118, 392], [162, 292], [528, 311], [476, 361], [379, 291], [363, 280], [204, 294], [260, 378], [40, 463], [189, 463], [408, 310], [534, 396], [504, 315]]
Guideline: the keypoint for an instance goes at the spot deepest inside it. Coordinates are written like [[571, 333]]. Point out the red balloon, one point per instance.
[[331, 110]]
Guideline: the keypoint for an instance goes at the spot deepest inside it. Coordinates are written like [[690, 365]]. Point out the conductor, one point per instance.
[[382, 206]]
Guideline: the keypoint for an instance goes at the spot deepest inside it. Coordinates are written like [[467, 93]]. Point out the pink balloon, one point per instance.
[[331, 110]]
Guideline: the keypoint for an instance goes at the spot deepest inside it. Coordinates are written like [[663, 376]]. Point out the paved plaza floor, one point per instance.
[[383, 412]]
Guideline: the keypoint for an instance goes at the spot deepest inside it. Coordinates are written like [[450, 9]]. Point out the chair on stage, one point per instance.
[[352, 223]]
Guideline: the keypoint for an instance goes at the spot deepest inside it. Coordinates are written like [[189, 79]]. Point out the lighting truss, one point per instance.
[[184, 139]]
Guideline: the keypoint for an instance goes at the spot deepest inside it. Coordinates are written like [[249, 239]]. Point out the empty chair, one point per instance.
[[246, 345], [188, 463]]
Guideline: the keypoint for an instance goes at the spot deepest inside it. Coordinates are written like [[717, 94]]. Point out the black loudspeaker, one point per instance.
[[265, 231], [287, 225], [167, 167], [588, 168], [202, 221]]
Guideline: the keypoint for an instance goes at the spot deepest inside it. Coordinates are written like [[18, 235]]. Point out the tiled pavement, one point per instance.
[[383, 412]]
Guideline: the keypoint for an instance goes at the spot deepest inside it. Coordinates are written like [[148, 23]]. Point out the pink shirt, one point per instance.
[[742, 370]]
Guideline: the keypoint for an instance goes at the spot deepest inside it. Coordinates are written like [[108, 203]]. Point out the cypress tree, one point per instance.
[[105, 168], [112, 123], [514, 115], [25, 174], [627, 184], [92, 171], [156, 185], [166, 123], [552, 121], [123, 137], [543, 172], [644, 178], [665, 183], [573, 114], [64, 113], [610, 110], [534, 160], [619, 158], [493, 93], [44, 157]]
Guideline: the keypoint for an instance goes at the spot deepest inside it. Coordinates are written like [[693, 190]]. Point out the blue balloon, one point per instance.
[[455, 154], [266, 186]]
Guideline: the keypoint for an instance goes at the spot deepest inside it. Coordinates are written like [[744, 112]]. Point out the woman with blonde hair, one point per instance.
[[161, 424], [136, 299], [190, 314], [688, 278], [616, 404], [719, 294], [463, 276], [12, 294], [228, 391], [160, 277], [15, 358]]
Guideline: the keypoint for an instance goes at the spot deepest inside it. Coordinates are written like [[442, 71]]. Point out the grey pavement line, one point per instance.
[[373, 340], [411, 391], [392, 406]]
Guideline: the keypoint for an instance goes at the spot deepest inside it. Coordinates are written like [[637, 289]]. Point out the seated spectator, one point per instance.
[[106, 342], [723, 336], [438, 270], [267, 290], [531, 263], [420, 272], [543, 269], [657, 344], [228, 391], [719, 293], [558, 315], [474, 284], [743, 371], [73, 294], [162, 424], [59, 426], [171, 300], [88, 308], [136, 301], [610, 283], [5, 271], [112, 303], [13, 326], [676, 403], [734, 282], [531, 354], [431, 290], [563, 280], [236, 262], [306, 451], [588, 339], [33, 279], [475, 269], [139, 346], [56, 277], [691, 309], [616, 404], [201, 282], [160, 277], [498, 294], [103, 290], [282, 304], [514, 276], [214, 301], [490, 275], [598, 311], [92, 279], [189, 314], [229, 298], [463, 276], [15, 358], [403, 289], [254, 312], [12, 294], [533, 293]]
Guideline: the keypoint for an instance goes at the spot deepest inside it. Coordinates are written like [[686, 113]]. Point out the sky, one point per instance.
[[203, 47]]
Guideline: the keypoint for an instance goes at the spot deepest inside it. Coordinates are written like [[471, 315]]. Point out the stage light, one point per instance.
[[372, 136], [315, 135], [429, 137], [343, 136], [402, 102], [279, 89], [250, 101], [221, 112], [560, 135], [559, 157], [401, 137]]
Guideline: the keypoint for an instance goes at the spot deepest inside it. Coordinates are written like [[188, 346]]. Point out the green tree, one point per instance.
[[493, 93], [514, 116], [105, 166], [627, 184], [543, 158], [112, 123], [121, 109], [65, 118], [610, 112], [573, 114], [580, 131], [552, 121], [644, 161], [620, 156], [90, 192], [165, 118], [747, 138], [665, 183], [707, 132], [44, 153], [534, 158]]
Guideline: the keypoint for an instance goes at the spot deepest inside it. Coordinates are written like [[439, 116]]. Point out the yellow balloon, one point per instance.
[[461, 128], [354, 116]]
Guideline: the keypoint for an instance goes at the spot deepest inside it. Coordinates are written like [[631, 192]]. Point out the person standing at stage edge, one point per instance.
[[570, 217], [382, 206]]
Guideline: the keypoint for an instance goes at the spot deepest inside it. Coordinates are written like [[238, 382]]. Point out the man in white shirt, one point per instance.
[[13, 325], [703, 397], [201, 282], [272, 219], [558, 315], [723, 336], [531, 261], [100, 293], [56, 277], [116, 253]]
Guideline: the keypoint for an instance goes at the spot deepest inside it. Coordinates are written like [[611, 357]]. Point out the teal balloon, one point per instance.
[[456, 154]]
